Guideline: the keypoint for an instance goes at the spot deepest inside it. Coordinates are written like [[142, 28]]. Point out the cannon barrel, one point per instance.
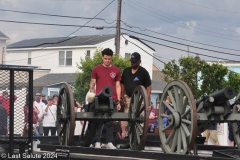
[[220, 96], [106, 92]]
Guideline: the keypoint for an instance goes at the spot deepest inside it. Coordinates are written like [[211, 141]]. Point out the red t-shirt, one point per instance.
[[6, 103], [106, 76]]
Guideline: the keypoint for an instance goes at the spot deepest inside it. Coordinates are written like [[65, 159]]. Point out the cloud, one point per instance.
[[238, 30], [191, 24]]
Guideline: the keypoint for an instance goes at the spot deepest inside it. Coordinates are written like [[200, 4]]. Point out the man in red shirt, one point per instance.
[[5, 99], [102, 75]]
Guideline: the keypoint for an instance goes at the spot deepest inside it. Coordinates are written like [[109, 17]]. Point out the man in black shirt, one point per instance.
[[131, 78]]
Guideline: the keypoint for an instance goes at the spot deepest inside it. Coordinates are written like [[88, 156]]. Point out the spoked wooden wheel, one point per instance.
[[65, 116], [236, 126], [138, 124], [181, 117]]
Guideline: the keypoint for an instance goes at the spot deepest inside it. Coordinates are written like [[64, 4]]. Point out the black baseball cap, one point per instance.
[[135, 57]]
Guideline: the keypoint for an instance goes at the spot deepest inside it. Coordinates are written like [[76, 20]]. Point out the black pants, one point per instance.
[[109, 132], [52, 129]]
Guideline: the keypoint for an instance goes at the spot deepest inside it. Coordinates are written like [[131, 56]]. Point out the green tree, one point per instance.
[[81, 85], [187, 71], [201, 77], [171, 71], [233, 80], [213, 78]]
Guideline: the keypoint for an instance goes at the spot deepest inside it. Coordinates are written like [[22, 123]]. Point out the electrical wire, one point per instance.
[[143, 49], [155, 9], [86, 22], [78, 26], [185, 27], [180, 49], [54, 15], [208, 7], [144, 29], [182, 43], [170, 47], [53, 24], [99, 34]]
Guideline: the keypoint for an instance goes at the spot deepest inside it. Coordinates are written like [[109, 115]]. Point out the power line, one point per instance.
[[143, 50], [155, 9], [180, 49], [182, 43], [99, 34], [169, 47], [79, 27], [143, 29], [186, 27], [93, 17], [208, 7], [55, 15], [61, 25]]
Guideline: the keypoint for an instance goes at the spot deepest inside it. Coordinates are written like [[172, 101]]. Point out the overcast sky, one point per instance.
[[215, 22]]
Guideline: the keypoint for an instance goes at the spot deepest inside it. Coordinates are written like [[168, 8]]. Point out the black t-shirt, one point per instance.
[[130, 81]]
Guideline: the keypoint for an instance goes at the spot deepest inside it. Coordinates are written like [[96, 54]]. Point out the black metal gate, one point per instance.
[[16, 103]]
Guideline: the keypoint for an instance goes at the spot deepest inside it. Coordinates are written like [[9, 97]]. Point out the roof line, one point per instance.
[[58, 83]]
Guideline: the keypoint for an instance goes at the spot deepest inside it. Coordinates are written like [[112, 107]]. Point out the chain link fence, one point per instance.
[[16, 113]]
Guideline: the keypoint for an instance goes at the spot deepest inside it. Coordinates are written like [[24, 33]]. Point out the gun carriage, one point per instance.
[[99, 111], [188, 118]]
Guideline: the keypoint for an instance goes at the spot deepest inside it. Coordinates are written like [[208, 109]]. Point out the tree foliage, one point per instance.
[[82, 81], [200, 76]]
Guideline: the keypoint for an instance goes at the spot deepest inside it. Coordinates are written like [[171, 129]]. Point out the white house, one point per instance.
[[61, 54], [3, 40]]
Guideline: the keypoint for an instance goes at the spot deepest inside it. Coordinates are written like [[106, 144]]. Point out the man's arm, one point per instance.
[[118, 90], [92, 85]]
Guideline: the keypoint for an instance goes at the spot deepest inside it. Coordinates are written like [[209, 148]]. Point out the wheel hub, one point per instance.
[[175, 119]]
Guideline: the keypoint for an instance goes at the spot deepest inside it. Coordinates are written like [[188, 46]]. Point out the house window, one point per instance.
[[52, 91], [65, 58], [88, 53], [127, 56], [29, 57]]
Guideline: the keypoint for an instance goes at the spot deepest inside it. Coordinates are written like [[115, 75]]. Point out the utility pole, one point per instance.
[[3, 54], [118, 32], [188, 51]]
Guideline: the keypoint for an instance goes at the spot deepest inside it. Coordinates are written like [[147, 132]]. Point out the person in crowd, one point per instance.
[[230, 134], [49, 121], [55, 99], [35, 120], [131, 78], [43, 99], [211, 133], [39, 106], [153, 115], [5, 100], [158, 105], [3, 121], [166, 111], [77, 105], [102, 75]]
